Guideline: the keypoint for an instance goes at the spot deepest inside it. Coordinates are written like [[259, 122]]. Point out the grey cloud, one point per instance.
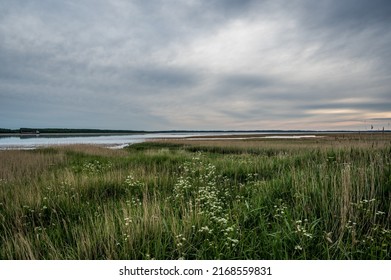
[[351, 14], [357, 28], [124, 63], [231, 8], [164, 77], [243, 81], [383, 106]]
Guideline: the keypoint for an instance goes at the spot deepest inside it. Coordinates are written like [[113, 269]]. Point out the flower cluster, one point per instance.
[[96, 167], [128, 221], [134, 202], [301, 229], [280, 210], [205, 193], [130, 181], [179, 239], [350, 225]]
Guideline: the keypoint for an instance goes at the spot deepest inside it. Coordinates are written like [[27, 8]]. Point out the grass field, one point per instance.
[[316, 198]]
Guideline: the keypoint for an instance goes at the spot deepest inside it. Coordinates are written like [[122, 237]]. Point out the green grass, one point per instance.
[[258, 199]]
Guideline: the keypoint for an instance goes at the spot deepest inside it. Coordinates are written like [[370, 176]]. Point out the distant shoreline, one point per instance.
[[70, 134], [32, 141], [96, 132], [214, 135]]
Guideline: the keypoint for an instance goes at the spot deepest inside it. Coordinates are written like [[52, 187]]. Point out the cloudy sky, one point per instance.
[[207, 64]]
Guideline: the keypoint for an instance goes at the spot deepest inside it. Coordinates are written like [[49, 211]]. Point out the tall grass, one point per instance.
[[324, 198]]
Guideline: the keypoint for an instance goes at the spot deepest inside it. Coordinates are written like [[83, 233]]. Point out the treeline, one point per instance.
[[4, 130]]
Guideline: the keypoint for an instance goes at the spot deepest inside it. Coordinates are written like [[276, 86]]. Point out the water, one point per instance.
[[26, 142], [112, 141]]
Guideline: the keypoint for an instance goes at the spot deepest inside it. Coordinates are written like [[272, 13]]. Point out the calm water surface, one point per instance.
[[112, 141]]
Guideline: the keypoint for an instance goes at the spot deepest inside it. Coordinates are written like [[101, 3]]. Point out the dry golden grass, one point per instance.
[[93, 150], [332, 140], [16, 164]]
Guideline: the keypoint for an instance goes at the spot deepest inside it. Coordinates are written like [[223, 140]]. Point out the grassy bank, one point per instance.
[[318, 198]]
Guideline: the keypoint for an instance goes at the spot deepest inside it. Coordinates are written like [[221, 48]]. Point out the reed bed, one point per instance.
[[318, 198]]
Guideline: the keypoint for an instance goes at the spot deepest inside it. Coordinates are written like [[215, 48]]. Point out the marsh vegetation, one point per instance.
[[318, 198]]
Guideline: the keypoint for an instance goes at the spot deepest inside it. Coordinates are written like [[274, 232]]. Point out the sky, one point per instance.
[[196, 65]]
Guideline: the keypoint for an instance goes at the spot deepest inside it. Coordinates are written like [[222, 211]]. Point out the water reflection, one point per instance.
[[31, 141]]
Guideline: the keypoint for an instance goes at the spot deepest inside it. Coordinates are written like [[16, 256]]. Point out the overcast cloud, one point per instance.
[[174, 64]]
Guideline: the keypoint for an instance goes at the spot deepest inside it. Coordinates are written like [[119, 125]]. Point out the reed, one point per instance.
[[322, 198]]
